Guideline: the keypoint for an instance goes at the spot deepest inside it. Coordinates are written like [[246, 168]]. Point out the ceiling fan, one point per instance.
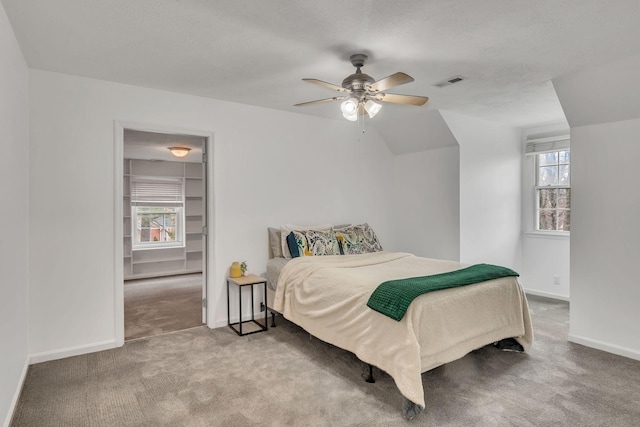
[[361, 92]]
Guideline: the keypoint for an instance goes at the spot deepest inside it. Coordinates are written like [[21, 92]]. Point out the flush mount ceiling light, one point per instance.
[[361, 92], [179, 151]]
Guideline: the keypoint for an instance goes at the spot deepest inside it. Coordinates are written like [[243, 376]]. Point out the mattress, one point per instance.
[[274, 267]]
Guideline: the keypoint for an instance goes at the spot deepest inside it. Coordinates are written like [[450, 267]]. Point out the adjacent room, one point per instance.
[[163, 242], [173, 169]]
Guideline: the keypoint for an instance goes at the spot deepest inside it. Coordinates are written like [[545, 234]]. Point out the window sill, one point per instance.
[[147, 248], [559, 235]]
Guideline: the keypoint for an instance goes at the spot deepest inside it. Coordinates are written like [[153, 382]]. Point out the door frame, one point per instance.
[[208, 261]]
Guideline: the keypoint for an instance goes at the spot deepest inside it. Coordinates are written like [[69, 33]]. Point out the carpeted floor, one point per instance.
[[202, 377], [163, 304]]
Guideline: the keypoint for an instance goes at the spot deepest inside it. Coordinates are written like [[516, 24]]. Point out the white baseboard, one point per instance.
[[609, 348], [217, 324], [71, 351], [16, 395], [547, 295]]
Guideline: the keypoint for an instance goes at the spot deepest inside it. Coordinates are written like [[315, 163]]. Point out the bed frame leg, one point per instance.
[[273, 319], [370, 378], [509, 344]]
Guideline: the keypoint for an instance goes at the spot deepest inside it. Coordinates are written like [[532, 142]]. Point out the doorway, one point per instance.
[[162, 304], [164, 231]]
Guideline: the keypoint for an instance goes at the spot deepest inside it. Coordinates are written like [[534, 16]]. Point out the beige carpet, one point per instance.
[[163, 304], [202, 377]]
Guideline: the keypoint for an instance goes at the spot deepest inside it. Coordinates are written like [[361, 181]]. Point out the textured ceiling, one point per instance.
[[256, 52], [155, 146]]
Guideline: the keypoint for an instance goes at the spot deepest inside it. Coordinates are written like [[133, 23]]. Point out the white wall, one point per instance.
[[490, 190], [270, 168], [426, 203], [605, 232], [543, 255], [14, 188], [605, 237]]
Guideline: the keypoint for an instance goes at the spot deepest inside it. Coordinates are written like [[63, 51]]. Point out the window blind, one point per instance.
[[538, 144], [149, 191]]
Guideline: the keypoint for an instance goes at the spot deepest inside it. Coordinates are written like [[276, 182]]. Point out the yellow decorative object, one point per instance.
[[235, 270]]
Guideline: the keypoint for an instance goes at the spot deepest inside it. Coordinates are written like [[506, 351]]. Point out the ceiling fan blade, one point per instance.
[[393, 80], [325, 84], [319, 101], [402, 99]]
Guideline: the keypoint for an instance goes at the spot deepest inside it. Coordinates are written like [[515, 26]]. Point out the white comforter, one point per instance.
[[327, 296]]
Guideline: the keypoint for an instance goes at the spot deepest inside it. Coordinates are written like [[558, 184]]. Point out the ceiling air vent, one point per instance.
[[449, 81]]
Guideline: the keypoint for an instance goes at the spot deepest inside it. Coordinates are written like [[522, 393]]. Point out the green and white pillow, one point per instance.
[[313, 243], [286, 229], [358, 239]]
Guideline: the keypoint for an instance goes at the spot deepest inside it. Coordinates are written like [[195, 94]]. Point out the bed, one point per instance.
[[328, 295]]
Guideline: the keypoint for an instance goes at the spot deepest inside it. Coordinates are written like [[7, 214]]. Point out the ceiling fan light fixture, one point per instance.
[[349, 107], [372, 107], [179, 151], [352, 117]]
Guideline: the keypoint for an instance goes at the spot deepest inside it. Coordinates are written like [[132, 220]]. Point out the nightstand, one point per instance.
[[250, 325]]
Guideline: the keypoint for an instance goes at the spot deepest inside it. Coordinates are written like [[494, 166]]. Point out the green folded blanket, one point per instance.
[[392, 298]]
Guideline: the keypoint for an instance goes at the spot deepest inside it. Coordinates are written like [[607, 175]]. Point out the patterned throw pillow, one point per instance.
[[322, 242], [297, 244], [358, 239], [313, 243], [286, 229]]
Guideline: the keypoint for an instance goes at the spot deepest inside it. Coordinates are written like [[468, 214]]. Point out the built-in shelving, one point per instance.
[[144, 263]]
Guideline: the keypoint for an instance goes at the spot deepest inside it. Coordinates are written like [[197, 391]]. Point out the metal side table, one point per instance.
[[250, 281]]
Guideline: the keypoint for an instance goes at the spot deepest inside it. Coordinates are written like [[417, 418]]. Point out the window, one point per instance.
[[157, 210], [156, 224], [549, 155], [553, 191]]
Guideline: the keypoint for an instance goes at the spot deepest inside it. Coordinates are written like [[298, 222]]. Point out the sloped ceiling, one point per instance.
[[410, 135], [256, 52], [603, 94]]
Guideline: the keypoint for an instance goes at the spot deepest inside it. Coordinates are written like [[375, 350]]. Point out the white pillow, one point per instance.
[[288, 228]]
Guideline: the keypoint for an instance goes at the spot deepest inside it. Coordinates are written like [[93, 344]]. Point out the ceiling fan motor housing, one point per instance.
[[358, 82]]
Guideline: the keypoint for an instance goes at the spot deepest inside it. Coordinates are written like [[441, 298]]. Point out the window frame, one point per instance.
[[158, 192], [180, 230], [537, 188]]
